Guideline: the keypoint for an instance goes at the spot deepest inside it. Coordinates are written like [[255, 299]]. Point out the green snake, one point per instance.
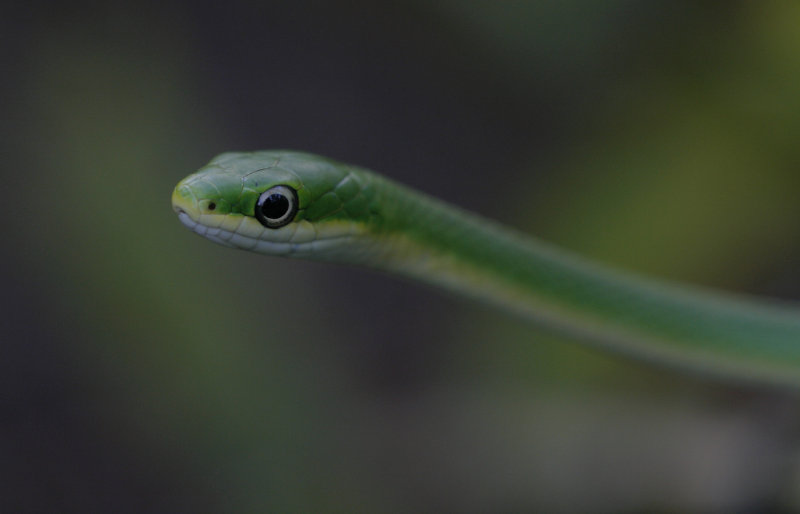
[[296, 204]]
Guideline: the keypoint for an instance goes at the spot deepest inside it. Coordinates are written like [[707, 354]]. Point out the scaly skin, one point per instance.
[[350, 215]]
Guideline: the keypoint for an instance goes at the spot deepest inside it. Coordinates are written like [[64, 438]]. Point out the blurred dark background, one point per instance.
[[145, 369]]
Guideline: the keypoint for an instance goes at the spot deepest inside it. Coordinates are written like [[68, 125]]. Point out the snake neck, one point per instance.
[[691, 328]]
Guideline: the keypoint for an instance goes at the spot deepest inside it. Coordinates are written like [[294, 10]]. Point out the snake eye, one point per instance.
[[276, 206]]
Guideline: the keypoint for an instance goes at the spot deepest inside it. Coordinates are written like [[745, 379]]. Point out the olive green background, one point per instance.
[[145, 369]]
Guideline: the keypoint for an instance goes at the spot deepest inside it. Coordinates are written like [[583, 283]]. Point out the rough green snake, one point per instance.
[[296, 204]]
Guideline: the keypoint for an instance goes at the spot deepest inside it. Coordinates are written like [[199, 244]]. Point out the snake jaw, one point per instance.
[[185, 204], [201, 229]]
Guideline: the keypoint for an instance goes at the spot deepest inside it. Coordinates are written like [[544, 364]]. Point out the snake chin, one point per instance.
[[200, 229]]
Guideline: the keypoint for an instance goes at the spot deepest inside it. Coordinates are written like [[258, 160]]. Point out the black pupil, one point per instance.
[[275, 206]]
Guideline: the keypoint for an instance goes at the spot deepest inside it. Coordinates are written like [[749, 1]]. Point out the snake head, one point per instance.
[[275, 202]]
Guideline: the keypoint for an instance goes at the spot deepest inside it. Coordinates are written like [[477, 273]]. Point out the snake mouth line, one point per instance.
[[201, 229], [233, 239]]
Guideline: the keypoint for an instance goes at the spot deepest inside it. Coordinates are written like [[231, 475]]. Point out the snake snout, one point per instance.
[[184, 202]]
